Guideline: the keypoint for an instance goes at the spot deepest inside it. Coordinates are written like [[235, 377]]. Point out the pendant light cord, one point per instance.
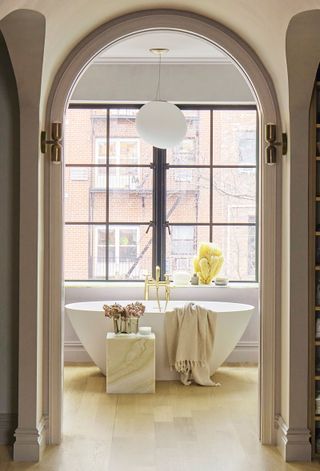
[[157, 98]]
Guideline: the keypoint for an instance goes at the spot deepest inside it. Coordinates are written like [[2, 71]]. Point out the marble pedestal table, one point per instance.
[[130, 363]]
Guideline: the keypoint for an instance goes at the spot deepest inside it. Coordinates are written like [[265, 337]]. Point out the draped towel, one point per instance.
[[190, 336]]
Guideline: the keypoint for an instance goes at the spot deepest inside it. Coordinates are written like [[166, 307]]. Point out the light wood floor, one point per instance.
[[179, 428]]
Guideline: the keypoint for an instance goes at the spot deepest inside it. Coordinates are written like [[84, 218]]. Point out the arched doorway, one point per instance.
[[269, 203]]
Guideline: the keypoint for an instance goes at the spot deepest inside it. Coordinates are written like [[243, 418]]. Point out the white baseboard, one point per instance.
[[30, 443], [244, 352], [293, 443], [8, 423], [75, 352]]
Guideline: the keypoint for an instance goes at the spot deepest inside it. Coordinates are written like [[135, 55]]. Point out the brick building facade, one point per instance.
[[211, 190]]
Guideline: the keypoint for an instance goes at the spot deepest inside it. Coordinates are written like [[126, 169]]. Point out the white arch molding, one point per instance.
[[270, 200]]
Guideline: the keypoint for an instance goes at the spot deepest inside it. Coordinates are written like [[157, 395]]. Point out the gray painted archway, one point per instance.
[[303, 57], [24, 33], [270, 197], [9, 243]]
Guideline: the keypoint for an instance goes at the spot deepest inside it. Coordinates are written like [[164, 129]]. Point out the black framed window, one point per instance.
[[129, 206]]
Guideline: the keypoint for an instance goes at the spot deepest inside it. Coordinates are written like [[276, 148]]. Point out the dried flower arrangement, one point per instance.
[[123, 315]]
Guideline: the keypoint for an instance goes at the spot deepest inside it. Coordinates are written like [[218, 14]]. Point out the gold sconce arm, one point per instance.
[[271, 140], [54, 142]]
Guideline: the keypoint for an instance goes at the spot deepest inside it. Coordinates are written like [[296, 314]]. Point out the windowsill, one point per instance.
[[140, 284]]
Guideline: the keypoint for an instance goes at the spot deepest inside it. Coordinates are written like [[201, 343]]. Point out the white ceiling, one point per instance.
[[183, 48]]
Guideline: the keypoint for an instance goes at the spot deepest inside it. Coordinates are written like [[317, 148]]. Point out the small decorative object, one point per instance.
[[181, 278], [125, 318], [221, 281], [208, 263], [194, 279], [144, 330]]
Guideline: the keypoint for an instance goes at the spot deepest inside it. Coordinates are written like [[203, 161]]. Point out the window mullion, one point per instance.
[[211, 177], [159, 209], [107, 190], [163, 211]]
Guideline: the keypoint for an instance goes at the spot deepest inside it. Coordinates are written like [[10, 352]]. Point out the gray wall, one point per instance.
[[217, 83], [9, 244]]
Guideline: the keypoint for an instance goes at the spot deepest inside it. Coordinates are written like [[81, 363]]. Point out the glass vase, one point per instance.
[[125, 325], [134, 325], [116, 325]]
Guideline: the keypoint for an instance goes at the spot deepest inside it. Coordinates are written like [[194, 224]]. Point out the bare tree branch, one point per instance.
[[243, 196]]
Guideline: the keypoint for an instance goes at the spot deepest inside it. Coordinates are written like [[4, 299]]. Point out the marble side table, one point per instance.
[[130, 363]]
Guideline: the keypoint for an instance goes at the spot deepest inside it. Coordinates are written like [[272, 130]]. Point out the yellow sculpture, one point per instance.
[[208, 263]]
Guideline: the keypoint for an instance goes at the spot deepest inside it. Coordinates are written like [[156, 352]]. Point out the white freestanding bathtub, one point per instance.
[[87, 319]]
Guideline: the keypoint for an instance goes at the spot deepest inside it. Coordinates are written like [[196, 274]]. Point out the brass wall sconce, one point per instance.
[[54, 142], [271, 148]]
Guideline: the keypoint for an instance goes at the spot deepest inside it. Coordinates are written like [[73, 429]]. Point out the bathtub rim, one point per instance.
[[243, 307]]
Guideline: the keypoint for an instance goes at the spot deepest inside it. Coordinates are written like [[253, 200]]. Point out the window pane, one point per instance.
[[131, 255], [181, 246], [128, 236], [126, 147], [238, 245], [85, 199], [234, 195], [85, 136], [112, 236], [195, 148], [234, 137], [130, 188], [182, 240], [124, 151], [130, 194], [188, 195], [84, 252], [79, 174]]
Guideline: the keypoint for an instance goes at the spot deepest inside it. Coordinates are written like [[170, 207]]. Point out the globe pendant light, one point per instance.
[[160, 123]]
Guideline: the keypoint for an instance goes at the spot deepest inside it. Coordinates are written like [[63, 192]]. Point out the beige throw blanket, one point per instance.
[[190, 337]]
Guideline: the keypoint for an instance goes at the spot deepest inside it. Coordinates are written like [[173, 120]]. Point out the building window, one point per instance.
[[79, 174], [123, 251], [182, 154], [99, 253], [247, 146], [128, 150], [100, 159], [247, 149], [183, 246], [118, 218], [120, 150]]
